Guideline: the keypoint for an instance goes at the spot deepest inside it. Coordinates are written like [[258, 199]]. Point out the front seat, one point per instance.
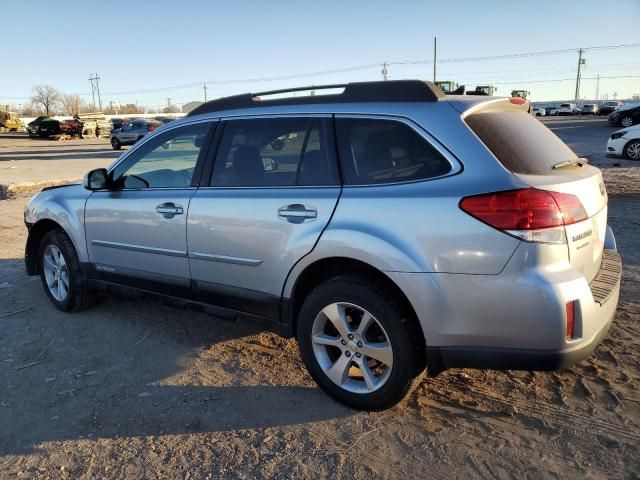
[[248, 170]]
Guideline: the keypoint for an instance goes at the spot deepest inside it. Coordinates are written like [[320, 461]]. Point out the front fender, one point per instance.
[[65, 207]]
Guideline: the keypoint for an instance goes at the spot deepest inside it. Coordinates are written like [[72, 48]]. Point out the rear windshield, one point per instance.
[[565, 105], [519, 141]]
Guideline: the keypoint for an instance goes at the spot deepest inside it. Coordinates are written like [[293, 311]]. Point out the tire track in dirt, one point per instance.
[[547, 411]]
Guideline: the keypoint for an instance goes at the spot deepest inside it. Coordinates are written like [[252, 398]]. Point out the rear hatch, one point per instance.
[[536, 156]]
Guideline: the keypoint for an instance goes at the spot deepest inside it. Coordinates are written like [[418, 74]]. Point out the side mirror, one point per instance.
[[96, 179]]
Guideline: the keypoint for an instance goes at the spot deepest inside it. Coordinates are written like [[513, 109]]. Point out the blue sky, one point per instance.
[[143, 45]]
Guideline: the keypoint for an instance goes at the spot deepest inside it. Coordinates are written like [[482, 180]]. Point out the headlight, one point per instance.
[[618, 135]]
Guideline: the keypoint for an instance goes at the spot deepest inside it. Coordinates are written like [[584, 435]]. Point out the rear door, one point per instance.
[[535, 155], [273, 189], [136, 232]]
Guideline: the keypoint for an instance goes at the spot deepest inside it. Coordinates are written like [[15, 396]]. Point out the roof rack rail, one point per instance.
[[381, 91]]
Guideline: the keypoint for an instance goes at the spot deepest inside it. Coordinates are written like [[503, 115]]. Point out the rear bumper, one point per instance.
[[443, 358], [517, 319]]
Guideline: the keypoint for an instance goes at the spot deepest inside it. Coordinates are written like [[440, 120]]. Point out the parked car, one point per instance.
[[43, 127], [551, 111], [589, 109], [131, 132], [568, 109], [119, 122], [625, 116], [608, 107], [538, 112], [336, 237], [164, 120], [625, 143]]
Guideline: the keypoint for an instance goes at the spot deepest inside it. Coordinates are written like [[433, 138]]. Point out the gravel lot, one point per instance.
[[138, 390]]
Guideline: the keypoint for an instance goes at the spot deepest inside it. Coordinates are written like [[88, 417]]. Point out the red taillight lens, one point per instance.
[[150, 128], [571, 312], [525, 209]]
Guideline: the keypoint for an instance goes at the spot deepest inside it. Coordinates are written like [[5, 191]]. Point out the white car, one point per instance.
[[625, 143], [538, 112], [568, 109]]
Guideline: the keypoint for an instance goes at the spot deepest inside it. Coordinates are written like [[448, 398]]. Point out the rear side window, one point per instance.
[[265, 152], [520, 142], [374, 151]]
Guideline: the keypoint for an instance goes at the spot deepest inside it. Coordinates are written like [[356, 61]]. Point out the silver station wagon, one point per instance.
[[388, 227]]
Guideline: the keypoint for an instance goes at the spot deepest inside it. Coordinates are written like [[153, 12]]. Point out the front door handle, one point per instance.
[[169, 209], [297, 213]]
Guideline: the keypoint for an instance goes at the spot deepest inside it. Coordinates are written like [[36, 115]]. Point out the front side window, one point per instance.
[[265, 152], [166, 161], [376, 151]]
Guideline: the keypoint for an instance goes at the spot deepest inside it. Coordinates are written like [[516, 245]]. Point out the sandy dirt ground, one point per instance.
[[132, 389]]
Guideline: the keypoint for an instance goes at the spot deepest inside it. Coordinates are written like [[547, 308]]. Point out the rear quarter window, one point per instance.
[[520, 142], [377, 151]]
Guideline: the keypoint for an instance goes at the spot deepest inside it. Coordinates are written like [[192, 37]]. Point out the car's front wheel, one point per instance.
[[358, 343], [115, 143], [626, 122], [60, 273], [632, 150]]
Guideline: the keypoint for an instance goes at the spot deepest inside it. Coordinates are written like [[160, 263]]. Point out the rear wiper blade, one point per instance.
[[570, 163]]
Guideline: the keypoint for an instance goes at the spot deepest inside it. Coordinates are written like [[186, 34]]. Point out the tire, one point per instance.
[[78, 295], [626, 122], [632, 150], [116, 144], [393, 330]]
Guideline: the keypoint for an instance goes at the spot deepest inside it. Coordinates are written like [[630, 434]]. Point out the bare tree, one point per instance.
[[46, 96], [32, 110], [171, 108], [72, 104]]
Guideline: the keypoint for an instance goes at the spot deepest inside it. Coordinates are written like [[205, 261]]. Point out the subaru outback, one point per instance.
[[389, 228]]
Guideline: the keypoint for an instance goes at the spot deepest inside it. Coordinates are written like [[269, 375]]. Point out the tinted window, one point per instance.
[[275, 152], [166, 161], [385, 151], [520, 142]]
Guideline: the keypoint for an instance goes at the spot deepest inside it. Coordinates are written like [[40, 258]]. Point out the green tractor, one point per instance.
[[447, 86]]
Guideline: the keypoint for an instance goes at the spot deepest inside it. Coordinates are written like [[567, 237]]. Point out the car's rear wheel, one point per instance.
[[115, 143], [626, 122], [60, 273], [632, 150], [358, 344]]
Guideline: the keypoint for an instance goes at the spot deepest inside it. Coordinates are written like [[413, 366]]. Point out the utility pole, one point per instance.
[[95, 88], [581, 61], [204, 86], [435, 57], [598, 88], [384, 71]]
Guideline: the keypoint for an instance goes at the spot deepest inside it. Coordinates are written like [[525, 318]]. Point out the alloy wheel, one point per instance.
[[633, 151], [56, 273], [626, 122], [352, 347]]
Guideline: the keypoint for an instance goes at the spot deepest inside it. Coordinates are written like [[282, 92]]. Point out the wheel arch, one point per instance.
[[36, 233], [324, 269]]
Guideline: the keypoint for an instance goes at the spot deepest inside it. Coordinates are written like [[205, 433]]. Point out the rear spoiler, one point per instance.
[[467, 105]]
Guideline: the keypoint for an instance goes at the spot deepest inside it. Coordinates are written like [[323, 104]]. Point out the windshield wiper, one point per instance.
[[570, 163]]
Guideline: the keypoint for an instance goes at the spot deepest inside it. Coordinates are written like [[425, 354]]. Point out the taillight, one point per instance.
[[150, 128], [528, 213]]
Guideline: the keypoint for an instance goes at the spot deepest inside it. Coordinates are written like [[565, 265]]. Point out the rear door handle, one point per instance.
[[169, 209], [297, 213]]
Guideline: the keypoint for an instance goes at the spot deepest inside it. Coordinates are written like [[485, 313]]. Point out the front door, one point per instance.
[[274, 187], [136, 232]]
